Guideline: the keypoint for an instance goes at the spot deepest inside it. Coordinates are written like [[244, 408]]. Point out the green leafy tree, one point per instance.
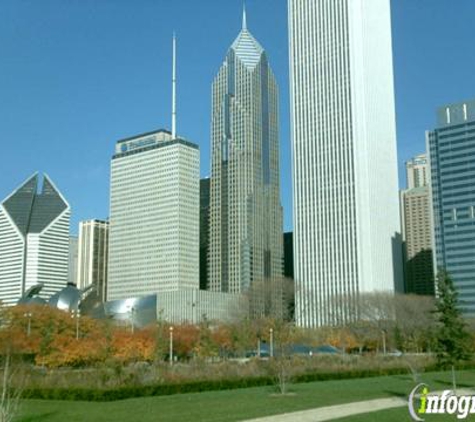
[[452, 340]]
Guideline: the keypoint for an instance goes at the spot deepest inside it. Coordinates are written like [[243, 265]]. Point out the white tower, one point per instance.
[[346, 216]]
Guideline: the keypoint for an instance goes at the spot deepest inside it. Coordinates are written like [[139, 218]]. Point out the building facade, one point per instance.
[[451, 147], [417, 229], [245, 211], [34, 240], [204, 231], [195, 306], [154, 216], [417, 171], [93, 256], [345, 184]]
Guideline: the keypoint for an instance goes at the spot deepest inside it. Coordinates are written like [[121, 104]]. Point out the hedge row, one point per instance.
[[121, 393]]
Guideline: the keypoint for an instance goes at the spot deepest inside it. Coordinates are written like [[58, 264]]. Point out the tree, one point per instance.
[[414, 325], [452, 341], [10, 396]]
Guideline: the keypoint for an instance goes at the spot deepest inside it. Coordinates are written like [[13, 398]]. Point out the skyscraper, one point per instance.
[[417, 228], [246, 215], [451, 147], [34, 240], [154, 216], [346, 212], [93, 255]]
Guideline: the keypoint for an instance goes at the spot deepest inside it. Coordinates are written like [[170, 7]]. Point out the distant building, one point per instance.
[[289, 255], [34, 240], [246, 253], [93, 256], [417, 172], [73, 260], [451, 148], [154, 216], [204, 231], [289, 283], [417, 228], [345, 196], [195, 306]]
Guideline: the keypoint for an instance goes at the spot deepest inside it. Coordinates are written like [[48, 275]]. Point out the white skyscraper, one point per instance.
[[93, 255], [34, 240], [346, 216], [154, 216]]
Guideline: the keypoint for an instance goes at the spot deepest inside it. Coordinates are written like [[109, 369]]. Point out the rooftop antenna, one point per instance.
[[244, 20], [174, 89]]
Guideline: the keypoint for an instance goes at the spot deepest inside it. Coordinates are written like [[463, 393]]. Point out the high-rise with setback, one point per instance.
[[34, 240], [346, 213], [245, 211]]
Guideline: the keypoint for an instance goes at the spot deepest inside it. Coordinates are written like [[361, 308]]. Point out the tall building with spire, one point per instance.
[[154, 216], [34, 240], [346, 212], [246, 248]]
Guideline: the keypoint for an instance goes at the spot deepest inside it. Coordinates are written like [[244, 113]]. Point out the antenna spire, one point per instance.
[[174, 89], [244, 19]]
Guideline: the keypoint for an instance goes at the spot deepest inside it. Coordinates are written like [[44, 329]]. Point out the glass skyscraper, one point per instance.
[[245, 212], [34, 240], [346, 212], [451, 148]]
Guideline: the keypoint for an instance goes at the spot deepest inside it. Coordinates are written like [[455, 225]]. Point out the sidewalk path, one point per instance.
[[329, 413]]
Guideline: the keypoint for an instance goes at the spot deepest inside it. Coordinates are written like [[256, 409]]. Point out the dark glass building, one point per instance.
[[204, 231], [289, 255], [452, 167]]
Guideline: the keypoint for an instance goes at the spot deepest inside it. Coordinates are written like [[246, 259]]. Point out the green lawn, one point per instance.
[[235, 405]]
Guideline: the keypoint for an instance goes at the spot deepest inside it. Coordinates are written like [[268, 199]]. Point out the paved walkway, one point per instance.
[[329, 413]]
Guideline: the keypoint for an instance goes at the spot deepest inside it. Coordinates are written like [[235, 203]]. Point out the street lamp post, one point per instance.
[[132, 320], [271, 341], [384, 341], [28, 327], [171, 346], [76, 314]]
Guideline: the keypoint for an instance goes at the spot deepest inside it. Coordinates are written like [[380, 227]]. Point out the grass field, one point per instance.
[[236, 405], [397, 415]]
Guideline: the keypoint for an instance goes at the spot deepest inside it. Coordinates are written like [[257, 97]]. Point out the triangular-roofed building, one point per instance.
[[246, 251], [34, 240]]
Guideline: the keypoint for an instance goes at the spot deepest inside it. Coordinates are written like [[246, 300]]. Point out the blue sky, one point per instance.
[[76, 75]]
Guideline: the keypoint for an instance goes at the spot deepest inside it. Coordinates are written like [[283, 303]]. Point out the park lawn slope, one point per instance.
[[234, 405]]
